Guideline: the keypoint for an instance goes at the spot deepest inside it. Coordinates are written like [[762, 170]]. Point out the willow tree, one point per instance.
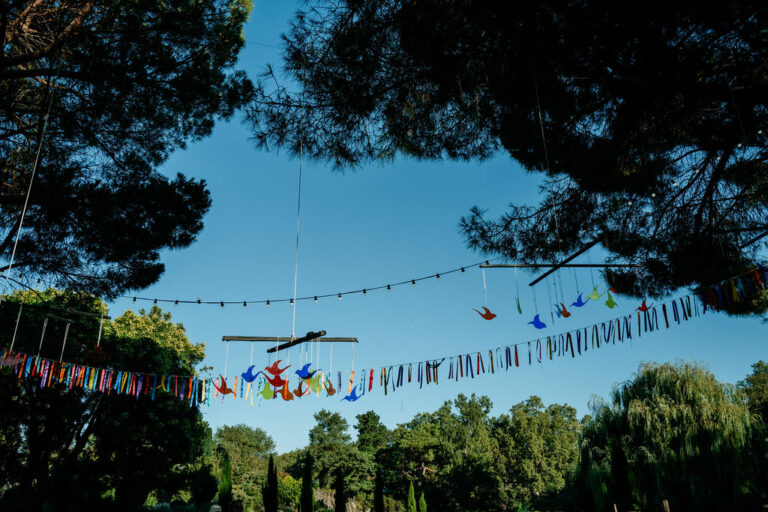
[[649, 125], [672, 433], [107, 90]]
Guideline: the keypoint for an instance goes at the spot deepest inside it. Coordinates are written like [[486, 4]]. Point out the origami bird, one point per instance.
[[612, 289], [564, 311], [314, 383], [352, 396], [579, 302], [267, 392], [329, 388], [537, 323], [301, 392], [487, 315], [248, 375], [594, 295], [610, 302], [644, 308], [276, 381], [224, 390], [285, 393], [304, 372], [274, 369]]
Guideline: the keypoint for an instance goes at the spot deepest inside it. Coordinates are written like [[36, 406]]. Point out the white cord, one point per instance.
[[296, 266]]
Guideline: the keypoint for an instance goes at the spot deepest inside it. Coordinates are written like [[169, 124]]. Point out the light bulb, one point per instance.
[[437, 276], [222, 303], [198, 300], [176, 303], [315, 298], [267, 303], [365, 292], [291, 302], [462, 270], [134, 299], [154, 301], [339, 296], [245, 304], [389, 288], [413, 282]]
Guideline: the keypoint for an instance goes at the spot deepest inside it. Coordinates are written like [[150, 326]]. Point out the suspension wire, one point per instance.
[[485, 289], [296, 266], [29, 189]]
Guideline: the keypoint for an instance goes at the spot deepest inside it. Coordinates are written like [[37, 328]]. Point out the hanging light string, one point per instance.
[[363, 291]]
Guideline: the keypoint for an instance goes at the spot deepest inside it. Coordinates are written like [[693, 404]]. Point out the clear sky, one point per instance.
[[380, 224]]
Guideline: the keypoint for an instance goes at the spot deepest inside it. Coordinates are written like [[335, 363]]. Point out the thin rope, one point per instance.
[[549, 299], [485, 290], [296, 266], [16, 328], [42, 336], [546, 157], [226, 359], [101, 325], [64, 343], [29, 190]]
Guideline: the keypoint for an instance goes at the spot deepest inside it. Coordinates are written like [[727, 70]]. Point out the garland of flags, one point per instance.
[[273, 382]]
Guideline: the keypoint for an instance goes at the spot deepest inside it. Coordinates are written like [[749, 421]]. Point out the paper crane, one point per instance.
[[267, 393], [610, 302], [248, 375], [594, 295], [537, 323], [579, 302], [304, 372], [487, 315], [352, 396], [224, 390], [564, 311], [644, 308]]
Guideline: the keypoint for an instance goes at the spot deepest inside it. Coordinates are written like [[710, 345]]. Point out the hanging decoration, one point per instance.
[[487, 315], [579, 302], [537, 323]]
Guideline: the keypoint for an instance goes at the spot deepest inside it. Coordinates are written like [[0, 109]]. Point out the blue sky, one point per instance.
[[380, 224]]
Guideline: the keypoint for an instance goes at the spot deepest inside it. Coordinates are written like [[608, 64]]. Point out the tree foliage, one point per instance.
[[653, 122], [72, 448], [672, 433], [269, 491], [307, 500], [127, 82], [340, 492], [411, 498], [248, 449]]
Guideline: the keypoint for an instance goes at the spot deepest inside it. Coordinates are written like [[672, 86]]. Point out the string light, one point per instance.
[[315, 298]]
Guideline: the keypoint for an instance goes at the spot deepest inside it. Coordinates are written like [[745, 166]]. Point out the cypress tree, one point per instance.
[[269, 491], [422, 503], [225, 481], [340, 495], [307, 500], [411, 498], [378, 492]]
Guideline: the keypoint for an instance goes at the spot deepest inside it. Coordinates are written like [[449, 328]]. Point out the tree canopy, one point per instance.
[[69, 449], [672, 433], [649, 125], [127, 83]]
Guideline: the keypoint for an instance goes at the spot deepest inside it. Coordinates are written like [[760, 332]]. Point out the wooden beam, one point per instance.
[[566, 260], [567, 265]]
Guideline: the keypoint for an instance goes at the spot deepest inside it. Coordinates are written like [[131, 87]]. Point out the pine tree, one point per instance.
[[340, 497], [269, 491], [378, 492], [307, 500], [422, 503], [411, 498]]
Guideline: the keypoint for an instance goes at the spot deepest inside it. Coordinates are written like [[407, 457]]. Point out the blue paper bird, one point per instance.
[[352, 396], [304, 372], [537, 323], [579, 302], [248, 375]]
